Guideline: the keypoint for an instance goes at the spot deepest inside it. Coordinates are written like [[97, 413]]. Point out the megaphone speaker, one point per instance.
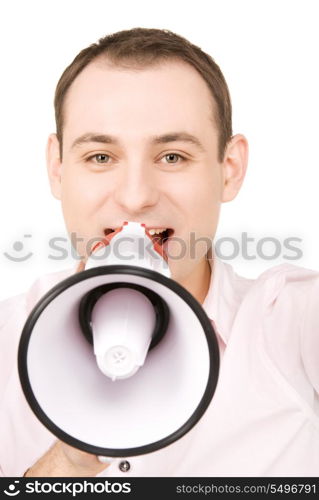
[[119, 360]]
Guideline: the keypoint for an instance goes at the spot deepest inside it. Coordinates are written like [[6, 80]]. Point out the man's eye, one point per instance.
[[100, 158], [173, 157]]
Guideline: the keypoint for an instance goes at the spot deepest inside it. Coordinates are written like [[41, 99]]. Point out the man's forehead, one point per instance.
[[165, 99], [170, 77]]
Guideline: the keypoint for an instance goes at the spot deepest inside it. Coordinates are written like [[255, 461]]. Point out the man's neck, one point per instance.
[[197, 283]]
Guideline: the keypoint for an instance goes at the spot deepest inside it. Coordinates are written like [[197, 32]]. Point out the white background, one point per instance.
[[268, 51]]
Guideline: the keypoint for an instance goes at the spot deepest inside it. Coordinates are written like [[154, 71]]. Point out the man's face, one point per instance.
[[141, 145]]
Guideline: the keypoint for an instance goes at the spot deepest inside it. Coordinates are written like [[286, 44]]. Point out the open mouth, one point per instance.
[[158, 235]]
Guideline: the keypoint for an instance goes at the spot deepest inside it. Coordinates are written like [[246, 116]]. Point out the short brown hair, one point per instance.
[[144, 47]]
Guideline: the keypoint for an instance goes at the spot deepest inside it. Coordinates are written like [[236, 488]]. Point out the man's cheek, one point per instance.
[[176, 249]]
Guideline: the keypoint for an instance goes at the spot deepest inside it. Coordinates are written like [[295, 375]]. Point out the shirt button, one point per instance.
[[124, 466]]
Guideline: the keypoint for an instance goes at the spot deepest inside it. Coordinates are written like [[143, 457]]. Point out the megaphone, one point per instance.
[[119, 360]]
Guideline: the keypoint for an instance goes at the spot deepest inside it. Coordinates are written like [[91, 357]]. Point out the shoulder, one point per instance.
[[12, 314], [9, 308], [287, 283], [43, 284], [278, 288], [290, 297], [285, 292], [27, 300], [309, 334]]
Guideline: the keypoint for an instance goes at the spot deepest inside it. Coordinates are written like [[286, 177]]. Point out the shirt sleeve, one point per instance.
[[310, 336], [8, 338], [23, 439]]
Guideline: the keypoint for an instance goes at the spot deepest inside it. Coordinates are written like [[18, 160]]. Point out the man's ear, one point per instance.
[[54, 165], [234, 166]]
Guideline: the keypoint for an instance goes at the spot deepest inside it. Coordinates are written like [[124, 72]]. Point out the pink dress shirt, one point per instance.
[[264, 417]]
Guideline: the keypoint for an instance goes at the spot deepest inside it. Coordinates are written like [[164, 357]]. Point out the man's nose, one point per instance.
[[136, 190]]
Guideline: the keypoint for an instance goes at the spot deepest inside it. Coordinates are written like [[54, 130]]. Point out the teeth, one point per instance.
[[156, 231]]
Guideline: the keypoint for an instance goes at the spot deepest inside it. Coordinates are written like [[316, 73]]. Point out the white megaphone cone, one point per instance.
[[123, 320], [119, 359]]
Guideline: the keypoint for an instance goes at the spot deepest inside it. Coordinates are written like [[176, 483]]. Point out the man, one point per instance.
[[144, 134]]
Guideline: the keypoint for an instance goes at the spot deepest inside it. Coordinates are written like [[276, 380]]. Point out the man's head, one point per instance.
[[141, 48], [144, 134]]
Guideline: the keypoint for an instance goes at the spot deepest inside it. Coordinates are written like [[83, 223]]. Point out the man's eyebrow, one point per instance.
[[159, 139], [178, 136], [101, 138]]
